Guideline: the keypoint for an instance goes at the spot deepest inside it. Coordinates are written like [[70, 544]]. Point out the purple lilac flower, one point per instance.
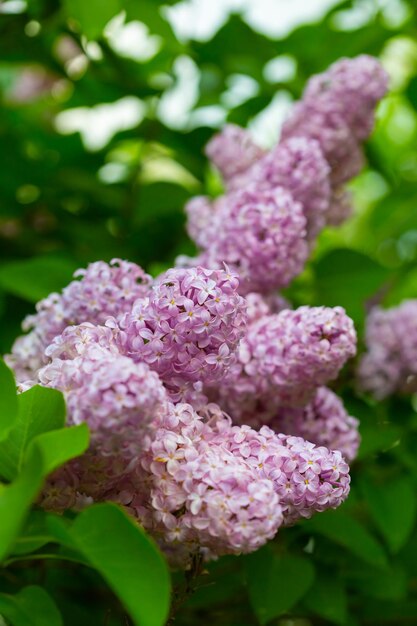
[[232, 151], [218, 489], [188, 329], [299, 166], [117, 398], [307, 478], [390, 363], [104, 290], [353, 87], [283, 359], [327, 126], [261, 235], [337, 110], [324, 421]]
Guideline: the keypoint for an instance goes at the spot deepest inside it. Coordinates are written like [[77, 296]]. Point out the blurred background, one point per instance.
[[106, 108]]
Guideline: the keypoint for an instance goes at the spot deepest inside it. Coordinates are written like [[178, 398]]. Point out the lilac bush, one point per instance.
[[204, 391]]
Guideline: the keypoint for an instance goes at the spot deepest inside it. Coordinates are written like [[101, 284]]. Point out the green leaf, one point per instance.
[[127, 559], [34, 535], [30, 607], [385, 584], [36, 278], [92, 16], [393, 508], [8, 399], [327, 598], [349, 533], [59, 446], [45, 453], [276, 582], [347, 278], [39, 410]]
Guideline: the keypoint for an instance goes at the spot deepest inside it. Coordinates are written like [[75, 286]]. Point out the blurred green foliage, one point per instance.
[[117, 189]]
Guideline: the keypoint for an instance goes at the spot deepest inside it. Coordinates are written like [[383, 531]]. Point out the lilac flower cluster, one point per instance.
[[261, 234], [117, 398], [103, 291], [283, 359], [390, 363], [224, 488], [188, 328], [337, 110], [203, 390], [320, 150], [323, 420], [194, 480]]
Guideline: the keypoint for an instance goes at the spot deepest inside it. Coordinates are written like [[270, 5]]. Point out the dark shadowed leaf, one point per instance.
[[36, 278], [276, 582], [349, 533], [30, 607], [393, 508], [127, 559], [327, 598], [347, 278]]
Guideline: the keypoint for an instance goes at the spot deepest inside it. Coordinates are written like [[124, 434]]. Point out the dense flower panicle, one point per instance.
[[140, 360], [353, 87], [103, 290], [117, 398], [283, 359], [324, 421], [189, 328], [207, 486], [327, 126], [307, 478], [232, 151], [261, 235], [299, 166], [337, 110], [191, 489], [390, 363]]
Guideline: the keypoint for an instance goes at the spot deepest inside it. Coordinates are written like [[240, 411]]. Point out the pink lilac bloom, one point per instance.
[[104, 290], [191, 491], [337, 110], [390, 362], [232, 151], [307, 478], [324, 421], [260, 235], [354, 87], [117, 398], [206, 486], [188, 329], [283, 359], [327, 126], [299, 166]]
